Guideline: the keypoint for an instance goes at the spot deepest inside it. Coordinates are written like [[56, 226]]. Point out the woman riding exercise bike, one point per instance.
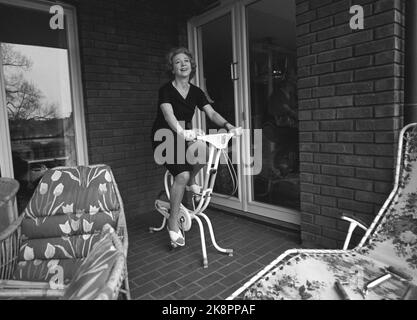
[[177, 102]]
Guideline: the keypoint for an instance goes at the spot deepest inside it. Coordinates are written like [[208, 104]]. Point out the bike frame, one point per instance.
[[217, 143]]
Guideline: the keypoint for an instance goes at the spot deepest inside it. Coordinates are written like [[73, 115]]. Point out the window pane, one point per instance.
[[217, 52], [40, 113], [272, 59]]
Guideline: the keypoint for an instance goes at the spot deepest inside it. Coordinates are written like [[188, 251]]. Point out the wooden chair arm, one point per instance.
[[354, 222]]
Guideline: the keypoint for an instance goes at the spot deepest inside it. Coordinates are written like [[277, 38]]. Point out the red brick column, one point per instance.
[[350, 92], [123, 46]]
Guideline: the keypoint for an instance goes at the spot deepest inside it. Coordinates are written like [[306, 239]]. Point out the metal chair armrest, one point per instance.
[[354, 222], [353, 219]]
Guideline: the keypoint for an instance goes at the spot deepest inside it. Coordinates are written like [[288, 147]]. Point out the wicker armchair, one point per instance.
[[61, 223], [382, 266], [99, 277], [8, 190]]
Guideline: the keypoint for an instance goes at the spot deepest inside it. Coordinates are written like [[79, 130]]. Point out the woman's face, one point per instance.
[[181, 65]]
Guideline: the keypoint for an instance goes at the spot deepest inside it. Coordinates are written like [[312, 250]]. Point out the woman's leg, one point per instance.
[[177, 192], [197, 155], [196, 169]]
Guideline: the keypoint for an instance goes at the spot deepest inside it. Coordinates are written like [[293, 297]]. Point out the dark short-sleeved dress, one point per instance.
[[183, 110]]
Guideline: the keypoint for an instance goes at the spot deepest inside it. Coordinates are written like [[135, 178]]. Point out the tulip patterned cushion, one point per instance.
[[63, 219], [91, 279]]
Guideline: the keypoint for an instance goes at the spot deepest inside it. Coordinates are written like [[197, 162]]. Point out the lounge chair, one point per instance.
[[383, 265]]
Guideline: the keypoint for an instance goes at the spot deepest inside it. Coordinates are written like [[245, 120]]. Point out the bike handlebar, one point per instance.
[[220, 140]]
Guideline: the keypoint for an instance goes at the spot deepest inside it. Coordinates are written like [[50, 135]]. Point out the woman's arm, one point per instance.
[[172, 121], [170, 118], [217, 118]]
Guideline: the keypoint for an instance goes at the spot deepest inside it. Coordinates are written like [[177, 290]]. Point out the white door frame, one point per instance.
[[193, 38], [242, 100], [6, 163]]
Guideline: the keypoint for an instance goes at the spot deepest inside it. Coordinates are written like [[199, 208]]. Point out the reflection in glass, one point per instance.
[[272, 62], [38, 101]]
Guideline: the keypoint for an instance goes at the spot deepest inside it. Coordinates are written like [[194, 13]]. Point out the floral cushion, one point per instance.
[[394, 241], [91, 278], [312, 277]]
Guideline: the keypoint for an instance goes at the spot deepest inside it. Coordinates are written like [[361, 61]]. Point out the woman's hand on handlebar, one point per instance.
[[189, 135], [199, 132], [236, 131]]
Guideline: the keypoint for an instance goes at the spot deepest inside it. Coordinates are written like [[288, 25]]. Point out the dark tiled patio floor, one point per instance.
[[157, 273]]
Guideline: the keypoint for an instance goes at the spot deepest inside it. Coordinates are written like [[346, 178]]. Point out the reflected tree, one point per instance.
[[23, 98]]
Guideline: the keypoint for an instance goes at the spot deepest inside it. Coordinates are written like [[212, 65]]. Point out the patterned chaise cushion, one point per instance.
[[394, 241], [392, 245], [91, 278], [313, 276]]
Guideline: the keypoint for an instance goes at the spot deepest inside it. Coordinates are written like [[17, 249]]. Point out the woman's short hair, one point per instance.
[[172, 53]]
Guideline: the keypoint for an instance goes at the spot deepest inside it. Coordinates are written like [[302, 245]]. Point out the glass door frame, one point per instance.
[[6, 162], [242, 105], [194, 42]]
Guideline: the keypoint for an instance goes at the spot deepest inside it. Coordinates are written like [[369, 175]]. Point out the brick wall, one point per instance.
[[350, 91], [123, 46]]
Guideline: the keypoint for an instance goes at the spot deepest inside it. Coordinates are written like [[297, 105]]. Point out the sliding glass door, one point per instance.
[[41, 103], [272, 78], [247, 57], [217, 75]]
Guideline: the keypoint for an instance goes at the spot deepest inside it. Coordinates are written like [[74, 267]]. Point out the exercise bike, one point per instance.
[[217, 146]]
